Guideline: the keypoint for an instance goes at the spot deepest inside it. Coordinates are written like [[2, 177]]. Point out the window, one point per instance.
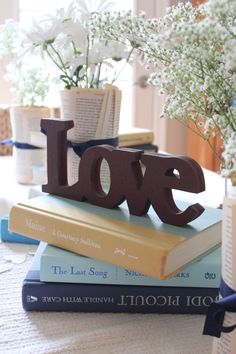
[[143, 105]]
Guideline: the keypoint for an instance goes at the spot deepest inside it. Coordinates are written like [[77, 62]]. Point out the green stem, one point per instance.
[[87, 61], [123, 66], [99, 66], [202, 136], [60, 64]]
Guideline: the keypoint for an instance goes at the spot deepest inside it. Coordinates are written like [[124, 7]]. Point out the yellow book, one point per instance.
[[143, 244], [135, 136]]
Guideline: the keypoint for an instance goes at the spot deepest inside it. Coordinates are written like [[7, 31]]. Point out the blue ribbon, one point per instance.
[[216, 312], [79, 148], [19, 145]]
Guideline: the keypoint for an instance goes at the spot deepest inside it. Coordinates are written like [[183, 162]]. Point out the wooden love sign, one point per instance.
[[127, 181]]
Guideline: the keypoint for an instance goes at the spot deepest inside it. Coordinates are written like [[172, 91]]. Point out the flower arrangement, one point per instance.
[[190, 54], [72, 40], [29, 78]]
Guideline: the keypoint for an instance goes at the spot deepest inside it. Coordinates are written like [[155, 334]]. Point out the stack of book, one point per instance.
[[92, 259], [138, 138]]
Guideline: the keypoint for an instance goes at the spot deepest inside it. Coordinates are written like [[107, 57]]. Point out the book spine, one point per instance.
[[79, 269], [7, 236], [146, 147], [99, 243], [136, 139], [38, 296]]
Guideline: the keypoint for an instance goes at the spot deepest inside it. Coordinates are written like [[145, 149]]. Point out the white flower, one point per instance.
[[9, 38], [230, 55], [44, 33], [28, 77], [77, 34], [86, 7], [76, 40], [191, 52], [112, 49]]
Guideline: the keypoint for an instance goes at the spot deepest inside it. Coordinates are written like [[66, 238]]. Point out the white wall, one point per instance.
[[9, 9]]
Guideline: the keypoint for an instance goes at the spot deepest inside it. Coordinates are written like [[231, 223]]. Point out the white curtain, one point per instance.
[[171, 136], [8, 9]]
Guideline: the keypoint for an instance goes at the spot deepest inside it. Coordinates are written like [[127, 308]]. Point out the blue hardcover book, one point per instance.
[[7, 236], [42, 296], [58, 265]]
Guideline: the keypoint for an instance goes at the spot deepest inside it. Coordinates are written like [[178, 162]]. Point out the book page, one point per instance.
[[110, 113], [92, 111], [118, 98], [104, 113], [83, 109], [38, 139], [95, 113], [30, 165], [226, 344], [73, 162], [24, 120]]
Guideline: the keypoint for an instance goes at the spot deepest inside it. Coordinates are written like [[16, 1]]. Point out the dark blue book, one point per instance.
[[47, 296]]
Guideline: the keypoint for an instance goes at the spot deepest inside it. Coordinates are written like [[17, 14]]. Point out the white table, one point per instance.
[[10, 190], [88, 333]]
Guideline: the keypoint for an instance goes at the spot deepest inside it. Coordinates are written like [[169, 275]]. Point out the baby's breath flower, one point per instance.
[[191, 56]]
